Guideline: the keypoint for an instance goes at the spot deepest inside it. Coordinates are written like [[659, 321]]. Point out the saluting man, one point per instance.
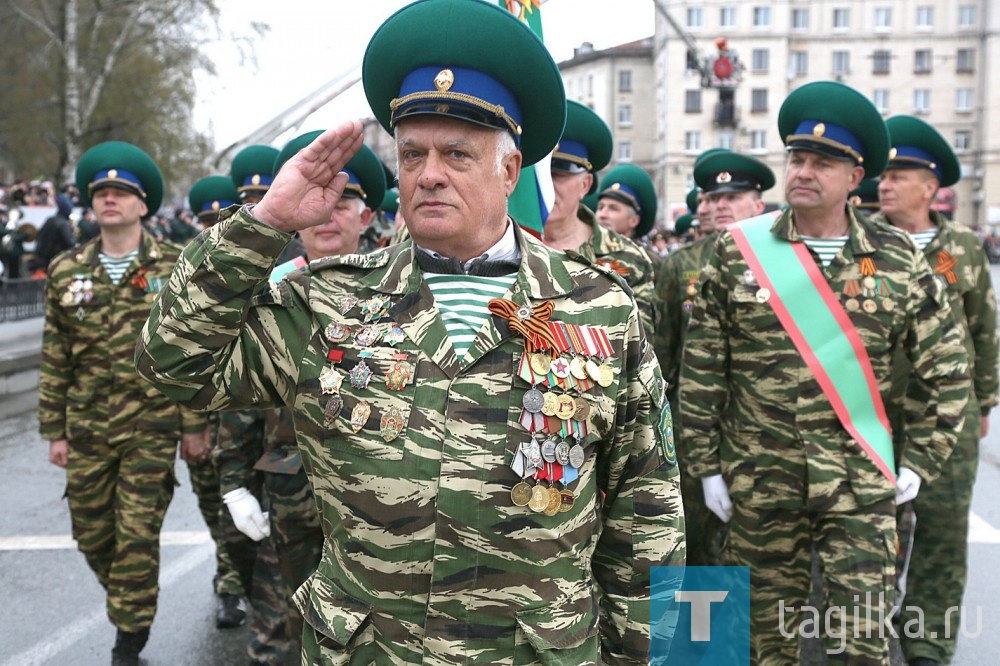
[[920, 163], [462, 522], [788, 361]]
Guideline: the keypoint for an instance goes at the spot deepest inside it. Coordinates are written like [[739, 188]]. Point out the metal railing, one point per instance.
[[22, 298]]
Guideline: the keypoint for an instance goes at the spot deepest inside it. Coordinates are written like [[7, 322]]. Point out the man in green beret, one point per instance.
[[627, 202], [791, 344], [115, 436], [731, 184], [582, 151], [457, 523], [252, 171], [920, 163]]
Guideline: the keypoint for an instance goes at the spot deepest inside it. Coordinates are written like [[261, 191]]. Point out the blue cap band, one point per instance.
[[263, 180], [214, 206], [623, 193], [573, 151], [120, 178], [820, 135], [903, 157]]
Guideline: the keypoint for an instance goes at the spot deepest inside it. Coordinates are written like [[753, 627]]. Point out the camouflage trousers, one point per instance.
[[118, 495], [939, 560], [706, 535], [269, 641], [857, 556], [297, 536], [205, 483]]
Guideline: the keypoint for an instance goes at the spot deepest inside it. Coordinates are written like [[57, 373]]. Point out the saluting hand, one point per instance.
[[308, 186]]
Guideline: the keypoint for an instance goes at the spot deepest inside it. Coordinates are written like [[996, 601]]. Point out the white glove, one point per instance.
[[717, 497], [246, 513], [907, 485]]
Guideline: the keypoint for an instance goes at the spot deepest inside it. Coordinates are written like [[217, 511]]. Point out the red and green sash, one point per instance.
[[826, 338]]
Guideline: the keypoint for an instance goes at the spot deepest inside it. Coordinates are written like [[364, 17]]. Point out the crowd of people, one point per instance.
[[420, 433]]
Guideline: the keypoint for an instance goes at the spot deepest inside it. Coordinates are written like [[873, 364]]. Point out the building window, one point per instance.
[[692, 101], [758, 100], [625, 81], [726, 140], [880, 97], [966, 16], [922, 61], [762, 17], [880, 61], [922, 101], [760, 61], [758, 141], [800, 19], [965, 61], [694, 17], [925, 17], [798, 63], [841, 63], [963, 141], [727, 17], [963, 100], [590, 85], [625, 115], [692, 141], [624, 151], [841, 18], [883, 18]]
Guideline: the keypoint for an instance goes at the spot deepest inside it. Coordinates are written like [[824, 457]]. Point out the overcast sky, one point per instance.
[[312, 42]]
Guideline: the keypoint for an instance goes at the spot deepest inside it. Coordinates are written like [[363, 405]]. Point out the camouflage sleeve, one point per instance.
[[940, 381], [205, 343], [645, 293], [667, 340], [704, 365], [192, 421], [56, 369], [643, 515], [240, 442], [981, 316]]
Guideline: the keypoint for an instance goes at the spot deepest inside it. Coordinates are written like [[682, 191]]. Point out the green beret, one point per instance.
[[917, 145], [683, 224], [631, 185], [585, 145], [212, 194], [469, 60], [865, 195], [253, 169], [365, 171], [834, 119], [692, 199], [124, 166], [727, 171], [708, 153]]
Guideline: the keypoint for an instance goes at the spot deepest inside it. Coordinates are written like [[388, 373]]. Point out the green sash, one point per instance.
[[825, 336]]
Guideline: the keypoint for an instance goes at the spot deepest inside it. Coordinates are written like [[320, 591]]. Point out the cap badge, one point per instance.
[[112, 173], [255, 179], [819, 129], [444, 80], [892, 153], [724, 177], [216, 206]]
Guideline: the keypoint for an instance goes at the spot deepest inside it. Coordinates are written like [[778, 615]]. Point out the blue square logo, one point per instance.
[[700, 615]]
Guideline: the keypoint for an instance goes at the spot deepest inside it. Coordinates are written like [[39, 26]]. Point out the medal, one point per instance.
[[539, 499], [562, 453], [606, 376], [869, 306], [565, 407], [360, 414], [551, 403], [577, 456], [392, 424], [398, 376], [549, 450], [539, 363], [375, 307], [691, 290], [577, 367], [555, 499], [559, 368], [345, 302], [332, 410], [330, 380], [337, 332], [520, 494], [533, 400], [748, 277], [852, 305], [534, 454], [763, 295], [67, 298], [567, 500], [593, 369], [368, 335], [868, 282], [582, 409], [361, 375], [887, 304], [394, 336]]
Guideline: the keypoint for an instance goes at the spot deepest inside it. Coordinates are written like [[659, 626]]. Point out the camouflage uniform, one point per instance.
[[754, 413], [122, 433], [625, 257], [939, 561], [676, 286], [378, 233], [426, 559]]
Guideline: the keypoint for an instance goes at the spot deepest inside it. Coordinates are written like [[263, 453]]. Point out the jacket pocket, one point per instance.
[[562, 634], [340, 623]]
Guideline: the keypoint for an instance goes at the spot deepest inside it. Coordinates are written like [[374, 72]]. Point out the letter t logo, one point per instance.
[[701, 610]]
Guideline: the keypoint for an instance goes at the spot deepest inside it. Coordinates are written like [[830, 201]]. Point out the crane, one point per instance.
[[724, 70]]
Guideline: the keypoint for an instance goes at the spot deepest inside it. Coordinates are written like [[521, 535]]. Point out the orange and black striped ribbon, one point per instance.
[[532, 327], [946, 266]]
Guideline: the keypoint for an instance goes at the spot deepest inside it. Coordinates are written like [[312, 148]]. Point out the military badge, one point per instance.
[[361, 375], [336, 332], [375, 307], [539, 499], [345, 302], [360, 414], [391, 424], [369, 334], [559, 367], [394, 335], [533, 400], [398, 376], [332, 409], [330, 380]]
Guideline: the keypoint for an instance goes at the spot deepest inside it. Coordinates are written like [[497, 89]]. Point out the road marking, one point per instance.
[[67, 542], [43, 651], [981, 531]]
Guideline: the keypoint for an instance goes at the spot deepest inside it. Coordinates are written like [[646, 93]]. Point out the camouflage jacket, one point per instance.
[[957, 257], [427, 559], [620, 255], [88, 386], [752, 408], [676, 288]]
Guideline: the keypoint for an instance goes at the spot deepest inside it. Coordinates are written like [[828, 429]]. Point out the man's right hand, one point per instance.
[[59, 452], [246, 513], [717, 497]]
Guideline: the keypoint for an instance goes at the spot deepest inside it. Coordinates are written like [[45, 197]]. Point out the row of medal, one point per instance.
[[556, 411], [861, 295]]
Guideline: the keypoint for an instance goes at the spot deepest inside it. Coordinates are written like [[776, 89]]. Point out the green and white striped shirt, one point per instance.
[[116, 266], [826, 248]]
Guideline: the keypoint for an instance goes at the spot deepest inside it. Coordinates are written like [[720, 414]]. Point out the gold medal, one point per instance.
[[868, 282], [763, 295], [360, 414], [550, 404], [852, 305], [691, 290], [887, 304], [520, 494], [555, 499], [565, 407], [539, 363], [577, 367], [869, 306], [539, 499], [567, 500], [398, 376], [582, 409], [67, 298], [606, 376], [593, 369]]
